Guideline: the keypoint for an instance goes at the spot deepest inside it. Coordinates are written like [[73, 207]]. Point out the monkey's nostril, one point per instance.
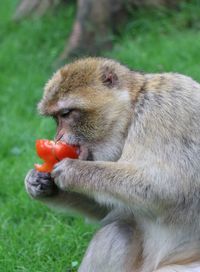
[[58, 137]]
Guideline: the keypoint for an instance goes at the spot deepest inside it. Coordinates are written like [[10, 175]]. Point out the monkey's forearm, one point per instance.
[[154, 188], [77, 203]]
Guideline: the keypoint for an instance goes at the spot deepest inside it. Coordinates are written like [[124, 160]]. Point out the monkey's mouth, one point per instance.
[[82, 150], [83, 153]]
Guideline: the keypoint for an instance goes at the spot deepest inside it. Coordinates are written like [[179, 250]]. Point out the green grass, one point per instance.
[[33, 237]]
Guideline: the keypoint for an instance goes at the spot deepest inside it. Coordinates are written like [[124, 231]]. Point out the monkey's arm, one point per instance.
[[153, 187], [41, 187]]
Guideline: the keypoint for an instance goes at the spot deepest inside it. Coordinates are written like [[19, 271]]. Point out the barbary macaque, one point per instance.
[[138, 171]]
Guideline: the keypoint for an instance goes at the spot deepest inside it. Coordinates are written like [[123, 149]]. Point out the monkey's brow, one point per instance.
[[51, 113], [59, 111]]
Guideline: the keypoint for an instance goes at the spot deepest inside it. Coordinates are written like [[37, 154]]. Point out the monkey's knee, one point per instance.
[[109, 249], [193, 267]]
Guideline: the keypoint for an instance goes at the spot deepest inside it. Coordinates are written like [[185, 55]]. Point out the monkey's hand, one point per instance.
[[81, 176], [39, 185], [66, 174]]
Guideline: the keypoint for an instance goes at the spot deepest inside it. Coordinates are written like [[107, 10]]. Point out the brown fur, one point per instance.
[[139, 163], [184, 258], [86, 76]]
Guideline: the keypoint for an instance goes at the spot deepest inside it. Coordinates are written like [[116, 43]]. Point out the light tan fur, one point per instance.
[[139, 166]]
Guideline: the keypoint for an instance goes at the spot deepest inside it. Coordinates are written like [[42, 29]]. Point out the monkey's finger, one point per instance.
[[43, 175], [56, 173], [58, 169]]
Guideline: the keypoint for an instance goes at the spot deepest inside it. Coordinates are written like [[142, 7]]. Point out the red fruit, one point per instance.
[[45, 167], [62, 150], [45, 149], [52, 152]]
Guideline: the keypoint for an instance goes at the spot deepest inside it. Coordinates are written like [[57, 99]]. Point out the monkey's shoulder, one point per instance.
[[171, 90], [169, 82]]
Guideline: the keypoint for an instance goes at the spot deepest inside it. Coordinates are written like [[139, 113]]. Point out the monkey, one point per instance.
[[138, 171]]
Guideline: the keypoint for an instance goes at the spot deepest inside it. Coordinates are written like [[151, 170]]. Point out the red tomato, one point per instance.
[[52, 152], [62, 150], [45, 149], [45, 167]]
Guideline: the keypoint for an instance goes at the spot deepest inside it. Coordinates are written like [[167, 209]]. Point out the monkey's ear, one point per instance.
[[109, 77]]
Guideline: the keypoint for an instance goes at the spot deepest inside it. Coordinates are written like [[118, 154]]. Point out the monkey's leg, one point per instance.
[[193, 267], [41, 187], [114, 248]]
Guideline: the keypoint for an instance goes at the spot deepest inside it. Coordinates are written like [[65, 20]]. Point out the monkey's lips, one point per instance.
[[83, 153], [82, 150]]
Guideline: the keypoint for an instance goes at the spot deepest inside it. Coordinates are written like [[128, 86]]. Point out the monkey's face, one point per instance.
[[90, 109]]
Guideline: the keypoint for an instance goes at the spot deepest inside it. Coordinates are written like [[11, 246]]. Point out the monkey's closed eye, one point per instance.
[[65, 113]]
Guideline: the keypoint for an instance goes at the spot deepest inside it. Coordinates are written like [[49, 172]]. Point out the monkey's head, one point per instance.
[[90, 102]]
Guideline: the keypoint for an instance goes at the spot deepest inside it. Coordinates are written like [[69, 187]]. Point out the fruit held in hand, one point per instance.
[[52, 152]]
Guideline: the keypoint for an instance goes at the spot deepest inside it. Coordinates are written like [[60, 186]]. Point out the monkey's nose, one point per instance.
[[59, 136]]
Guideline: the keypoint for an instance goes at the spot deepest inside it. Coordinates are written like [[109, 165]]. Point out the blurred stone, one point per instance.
[[16, 151]]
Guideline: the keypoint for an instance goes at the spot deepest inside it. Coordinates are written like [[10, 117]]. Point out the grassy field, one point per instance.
[[34, 238]]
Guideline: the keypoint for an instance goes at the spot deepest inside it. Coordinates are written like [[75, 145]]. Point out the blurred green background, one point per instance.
[[33, 237]]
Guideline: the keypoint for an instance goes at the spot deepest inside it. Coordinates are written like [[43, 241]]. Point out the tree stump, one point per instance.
[[94, 24]]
